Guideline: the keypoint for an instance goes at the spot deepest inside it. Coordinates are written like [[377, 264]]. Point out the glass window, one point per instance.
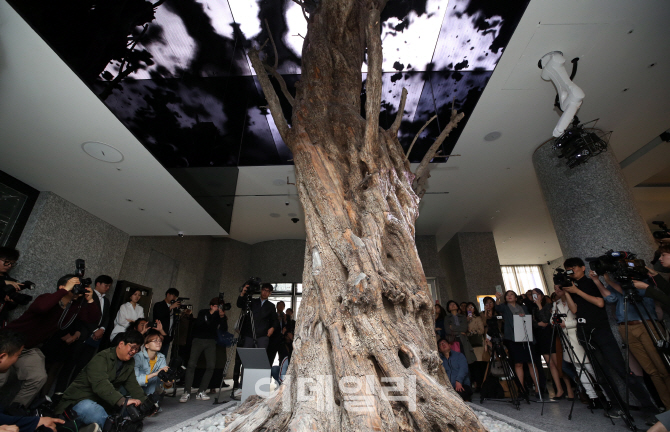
[[283, 287], [522, 278], [298, 288]]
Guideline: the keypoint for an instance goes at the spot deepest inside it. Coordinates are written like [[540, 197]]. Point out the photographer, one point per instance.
[[95, 391], [149, 362], [657, 287], [164, 311], [586, 302], [204, 342], [8, 259], [278, 335], [48, 314], [639, 343], [265, 318], [11, 345]]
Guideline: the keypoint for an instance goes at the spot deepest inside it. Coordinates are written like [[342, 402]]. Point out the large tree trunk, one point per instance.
[[366, 313]]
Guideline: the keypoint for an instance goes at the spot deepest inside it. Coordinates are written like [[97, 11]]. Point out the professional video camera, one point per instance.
[[17, 297], [557, 318], [222, 303], [254, 286], [561, 277], [663, 233], [181, 300], [623, 266], [80, 270]]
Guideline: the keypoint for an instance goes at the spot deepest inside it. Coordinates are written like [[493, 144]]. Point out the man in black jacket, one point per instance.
[[265, 318], [164, 311], [204, 342]]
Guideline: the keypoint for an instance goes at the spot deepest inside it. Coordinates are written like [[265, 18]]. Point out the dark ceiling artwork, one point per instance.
[[176, 73]]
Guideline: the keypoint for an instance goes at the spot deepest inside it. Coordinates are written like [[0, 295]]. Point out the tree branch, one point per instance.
[[422, 172], [393, 130], [274, 47], [273, 69], [373, 86], [270, 95], [417, 135]]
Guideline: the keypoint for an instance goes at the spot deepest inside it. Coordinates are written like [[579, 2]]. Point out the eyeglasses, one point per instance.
[[134, 349], [9, 263], [158, 341]]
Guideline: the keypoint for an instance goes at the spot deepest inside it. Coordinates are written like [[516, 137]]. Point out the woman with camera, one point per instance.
[[546, 342], [149, 362], [518, 352], [128, 312]]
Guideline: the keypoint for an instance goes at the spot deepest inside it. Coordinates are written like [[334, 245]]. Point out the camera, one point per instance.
[[130, 418], [561, 277], [17, 297], [295, 220], [172, 374], [254, 286], [80, 270], [623, 266], [222, 303], [556, 319], [180, 234], [663, 232], [180, 300]]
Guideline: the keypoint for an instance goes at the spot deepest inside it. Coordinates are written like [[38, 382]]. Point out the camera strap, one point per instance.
[[62, 317]]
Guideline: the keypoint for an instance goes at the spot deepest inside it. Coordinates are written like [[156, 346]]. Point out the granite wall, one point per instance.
[[591, 206], [57, 233], [472, 267]]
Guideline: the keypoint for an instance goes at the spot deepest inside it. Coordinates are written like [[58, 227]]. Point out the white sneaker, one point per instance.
[[202, 396], [185, 397]]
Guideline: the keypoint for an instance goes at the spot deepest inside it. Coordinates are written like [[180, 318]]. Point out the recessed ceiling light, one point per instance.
[[492, 136], [275, 215], [102, 152]]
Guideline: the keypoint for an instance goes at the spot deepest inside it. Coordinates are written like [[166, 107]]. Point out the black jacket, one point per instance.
[[265, 317], [206, 325], [161, 313]]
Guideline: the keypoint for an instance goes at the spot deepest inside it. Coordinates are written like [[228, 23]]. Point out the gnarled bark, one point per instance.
[[366, 312]]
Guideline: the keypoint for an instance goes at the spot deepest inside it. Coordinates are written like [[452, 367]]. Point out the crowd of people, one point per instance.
[[69, 346], [572, 333]]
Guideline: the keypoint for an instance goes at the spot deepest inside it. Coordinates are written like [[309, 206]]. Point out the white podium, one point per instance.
[[256, 368]]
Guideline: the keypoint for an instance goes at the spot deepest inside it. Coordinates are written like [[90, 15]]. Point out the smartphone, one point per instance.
[[499, 289], [535, 297], [470, 313]]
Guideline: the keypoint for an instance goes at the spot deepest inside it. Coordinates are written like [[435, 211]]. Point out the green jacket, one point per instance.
[[99, 383]]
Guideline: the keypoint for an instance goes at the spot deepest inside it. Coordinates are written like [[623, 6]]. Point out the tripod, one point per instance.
[[247, 313], [514, 385], [175, 361], [602, 377], [532, 361], [566, 343]]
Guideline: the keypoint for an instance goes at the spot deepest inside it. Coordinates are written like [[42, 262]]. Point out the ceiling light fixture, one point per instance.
[[492, 136], [102, 152], [275, 215]]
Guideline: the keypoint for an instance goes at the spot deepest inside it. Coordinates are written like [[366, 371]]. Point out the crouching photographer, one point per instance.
[[150, 362], [95, 393], [48, 314], [11, 345]]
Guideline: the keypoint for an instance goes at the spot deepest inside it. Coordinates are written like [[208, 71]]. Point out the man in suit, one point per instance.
[[164, 311], [265, 318], [90, 335], [278, 334]]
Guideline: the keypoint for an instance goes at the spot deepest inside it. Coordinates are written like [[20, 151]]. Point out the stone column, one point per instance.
[[591, 206], [472, 267]]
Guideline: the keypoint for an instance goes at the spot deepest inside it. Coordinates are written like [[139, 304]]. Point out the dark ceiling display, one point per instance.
[[176, 73]]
